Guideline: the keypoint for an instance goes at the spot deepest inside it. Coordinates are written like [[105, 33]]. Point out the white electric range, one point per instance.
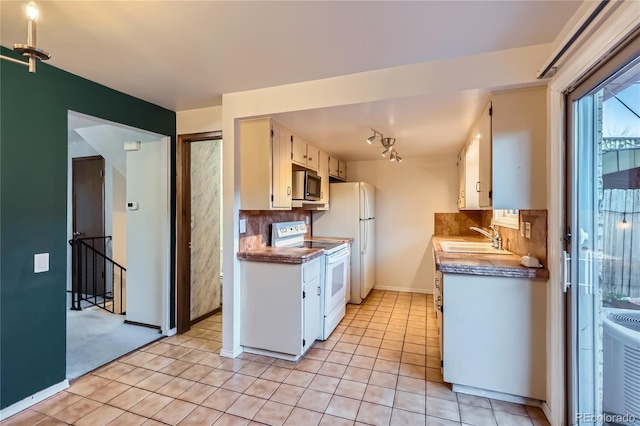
[[334, 269]]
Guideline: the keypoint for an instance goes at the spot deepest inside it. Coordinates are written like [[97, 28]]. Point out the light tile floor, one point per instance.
[[379, 367]]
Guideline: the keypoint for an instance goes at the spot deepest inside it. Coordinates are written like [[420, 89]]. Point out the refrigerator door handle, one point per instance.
[[363, 202], [365, 237]]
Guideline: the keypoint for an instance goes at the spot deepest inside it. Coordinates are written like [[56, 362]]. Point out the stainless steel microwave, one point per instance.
[[306, 186]]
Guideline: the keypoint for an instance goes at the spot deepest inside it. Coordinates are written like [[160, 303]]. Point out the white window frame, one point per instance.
[[507, 218]]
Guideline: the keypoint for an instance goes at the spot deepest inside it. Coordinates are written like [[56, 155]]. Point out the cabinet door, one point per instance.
[[298, 149], [461, 178], [342, 170], [519, 140], [281, 164], [485, 184], [333, 167], [313, 157], [311, 322], [472, 171], [323, 172]]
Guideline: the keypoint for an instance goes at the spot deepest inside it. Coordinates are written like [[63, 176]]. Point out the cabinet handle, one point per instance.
[[304, 156], [318, 291], [310, 159], [288, 190], [478, 186]]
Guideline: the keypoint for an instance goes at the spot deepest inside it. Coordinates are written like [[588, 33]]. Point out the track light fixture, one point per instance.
[[30, 50], [387, 144]]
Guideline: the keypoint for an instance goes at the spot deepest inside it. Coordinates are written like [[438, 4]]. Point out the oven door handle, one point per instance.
[[332, 260]]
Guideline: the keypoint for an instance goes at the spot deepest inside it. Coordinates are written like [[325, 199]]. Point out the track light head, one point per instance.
[[387, 144]]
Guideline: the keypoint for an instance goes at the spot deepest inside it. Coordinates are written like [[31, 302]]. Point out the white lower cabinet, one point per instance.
[[280, 307], [494, 335]]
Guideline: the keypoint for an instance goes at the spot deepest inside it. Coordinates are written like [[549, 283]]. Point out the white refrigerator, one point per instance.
[[352, 214]]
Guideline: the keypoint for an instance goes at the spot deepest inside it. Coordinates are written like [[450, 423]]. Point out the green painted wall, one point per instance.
[[33, 191]]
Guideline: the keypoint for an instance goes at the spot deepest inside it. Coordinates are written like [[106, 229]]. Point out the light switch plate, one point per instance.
[[40, 262], [522, 228], [243, 226], [527, 229]]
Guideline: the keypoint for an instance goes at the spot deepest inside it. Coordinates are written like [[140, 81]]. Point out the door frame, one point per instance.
[[611, 31], [183, 224], [74, 161]]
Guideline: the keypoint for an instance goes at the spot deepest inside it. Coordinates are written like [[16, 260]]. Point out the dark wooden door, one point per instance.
[[88, 222]]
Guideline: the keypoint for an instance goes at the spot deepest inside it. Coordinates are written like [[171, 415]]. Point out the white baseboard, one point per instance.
[[547, 411], [33, 399], [404, 289], [497, 395], [279, 355], [231, 354], [171, 332]]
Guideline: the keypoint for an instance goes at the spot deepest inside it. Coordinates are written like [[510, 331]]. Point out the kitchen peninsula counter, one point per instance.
[[497, 265], [280, 254]]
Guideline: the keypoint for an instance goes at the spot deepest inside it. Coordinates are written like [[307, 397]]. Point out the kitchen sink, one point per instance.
[[470, 247]]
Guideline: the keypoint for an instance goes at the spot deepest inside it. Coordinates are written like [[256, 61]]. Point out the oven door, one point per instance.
[[337, 270]]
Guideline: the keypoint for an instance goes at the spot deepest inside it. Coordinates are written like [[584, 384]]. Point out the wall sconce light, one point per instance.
[[30, 50], [387, 144]]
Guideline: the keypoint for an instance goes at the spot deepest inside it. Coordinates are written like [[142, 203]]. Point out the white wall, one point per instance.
[[199, 120], [119, 218], [148, 233], [407, 196]]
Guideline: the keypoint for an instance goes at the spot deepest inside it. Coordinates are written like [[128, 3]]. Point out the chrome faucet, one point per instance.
[[496, 240]]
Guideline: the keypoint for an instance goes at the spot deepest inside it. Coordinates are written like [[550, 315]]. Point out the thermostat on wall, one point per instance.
[[132, 205], [132, 146]]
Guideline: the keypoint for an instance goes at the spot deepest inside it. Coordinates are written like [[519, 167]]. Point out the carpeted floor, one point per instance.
[[96, 337]]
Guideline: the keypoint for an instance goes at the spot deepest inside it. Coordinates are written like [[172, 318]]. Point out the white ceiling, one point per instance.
[[186, 54]]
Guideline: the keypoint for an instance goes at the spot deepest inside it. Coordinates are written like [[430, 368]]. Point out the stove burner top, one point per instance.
[[321, 244]]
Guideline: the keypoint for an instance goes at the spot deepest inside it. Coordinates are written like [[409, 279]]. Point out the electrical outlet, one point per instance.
[[527, 229], [243, 226], [306, 220], [522, 228]]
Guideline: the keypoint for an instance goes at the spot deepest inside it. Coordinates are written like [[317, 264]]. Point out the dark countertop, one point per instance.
[[341, 239], [288, 254], [280, 254], [497, 265]]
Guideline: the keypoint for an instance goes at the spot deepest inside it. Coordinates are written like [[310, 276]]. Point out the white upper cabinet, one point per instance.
[[519, 149], [304, 153], [505, 160], [461, 178], [265, 165], [337, 168]]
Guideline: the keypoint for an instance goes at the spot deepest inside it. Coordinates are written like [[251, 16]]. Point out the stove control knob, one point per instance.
[[296, 227], [283, 230]]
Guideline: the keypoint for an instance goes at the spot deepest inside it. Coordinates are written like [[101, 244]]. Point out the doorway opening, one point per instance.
[[110, 309], [199, 235]]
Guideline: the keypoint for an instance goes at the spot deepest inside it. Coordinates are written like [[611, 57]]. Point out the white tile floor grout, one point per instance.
[[379, 367]]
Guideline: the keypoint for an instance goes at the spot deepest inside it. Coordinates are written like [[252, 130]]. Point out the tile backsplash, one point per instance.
[[457, 224], [259, 225]]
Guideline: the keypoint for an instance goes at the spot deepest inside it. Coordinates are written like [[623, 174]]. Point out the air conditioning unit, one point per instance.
[[621, 370]]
